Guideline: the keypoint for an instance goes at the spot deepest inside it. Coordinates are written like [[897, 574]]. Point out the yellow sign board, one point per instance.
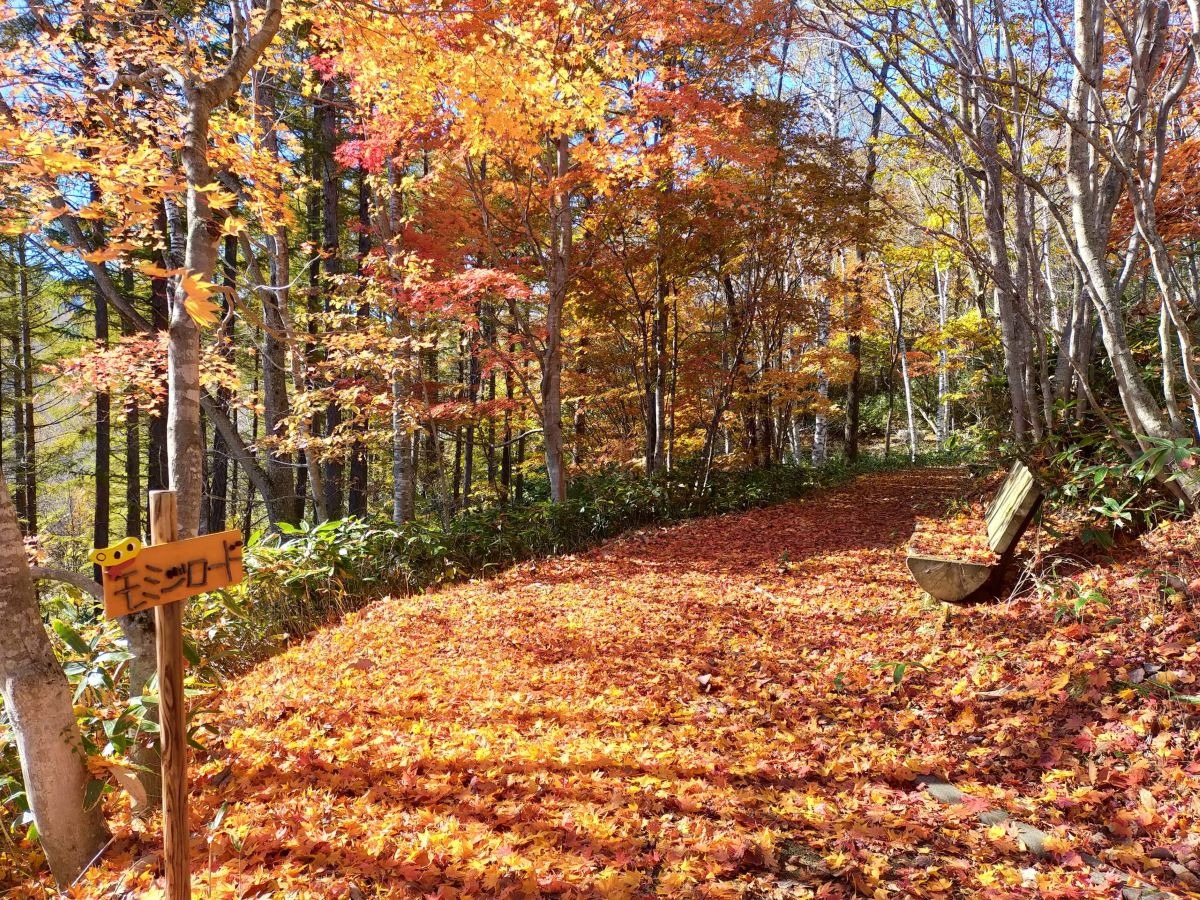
[[164, 573]]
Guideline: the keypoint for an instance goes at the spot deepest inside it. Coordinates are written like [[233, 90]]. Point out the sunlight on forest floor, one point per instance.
[[712, 709]]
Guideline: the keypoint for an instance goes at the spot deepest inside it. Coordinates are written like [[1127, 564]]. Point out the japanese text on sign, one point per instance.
[[166, 573]]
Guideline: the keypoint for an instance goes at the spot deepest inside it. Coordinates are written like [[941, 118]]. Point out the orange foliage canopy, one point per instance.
[[690, 713]]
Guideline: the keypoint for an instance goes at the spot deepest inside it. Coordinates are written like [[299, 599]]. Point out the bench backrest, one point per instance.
[[1011, 507]]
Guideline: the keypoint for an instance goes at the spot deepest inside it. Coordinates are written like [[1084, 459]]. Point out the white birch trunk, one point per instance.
[[820, 447], [898, 318], [943, 417]]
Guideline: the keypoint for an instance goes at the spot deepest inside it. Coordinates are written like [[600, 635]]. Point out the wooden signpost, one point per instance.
[[168, 572], [161, 577]]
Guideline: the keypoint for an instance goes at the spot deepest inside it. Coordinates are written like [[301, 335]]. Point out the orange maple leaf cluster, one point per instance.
[[961, 537]]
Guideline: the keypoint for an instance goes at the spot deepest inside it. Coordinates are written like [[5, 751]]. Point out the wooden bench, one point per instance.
[[1008, 515]]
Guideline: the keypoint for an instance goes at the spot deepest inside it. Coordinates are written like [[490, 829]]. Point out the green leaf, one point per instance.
[[190, 653], [71, 637], [219, 817], [95, 790]]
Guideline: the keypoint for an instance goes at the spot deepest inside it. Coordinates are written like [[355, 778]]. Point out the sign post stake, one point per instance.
[[161, 577], [172, 712]]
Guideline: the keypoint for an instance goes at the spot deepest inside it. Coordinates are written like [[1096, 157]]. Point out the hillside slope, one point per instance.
[[738, 706]]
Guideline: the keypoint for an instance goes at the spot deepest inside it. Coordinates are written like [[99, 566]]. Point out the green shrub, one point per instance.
[[1093, 472]]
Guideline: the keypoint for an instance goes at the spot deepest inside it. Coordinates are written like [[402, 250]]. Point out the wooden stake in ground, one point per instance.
[[163, 576], [172, 712]]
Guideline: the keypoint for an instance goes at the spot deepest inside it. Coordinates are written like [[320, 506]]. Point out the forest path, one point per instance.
[[709, 709]]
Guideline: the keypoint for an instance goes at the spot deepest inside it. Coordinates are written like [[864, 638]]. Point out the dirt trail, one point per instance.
[[735, 706]]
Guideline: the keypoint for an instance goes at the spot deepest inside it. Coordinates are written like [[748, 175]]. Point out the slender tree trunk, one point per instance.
[[854, 305], [474, 380], [902, 352], [357, 486], [27, 428], [891, 410], [1166, 348], [331, 184], [133, 472], [156, 445], [403, 488], [520, 479], [490, 454], [287, 496], [820, 447], [102, 532], [942, 285], [1008, 293], [551, 386], [18, 422], [185, 449], [661, 361], [356, 483], [217, 513], [133, 441], [674, 382], [506, 456], [255, 433], [456, 495]]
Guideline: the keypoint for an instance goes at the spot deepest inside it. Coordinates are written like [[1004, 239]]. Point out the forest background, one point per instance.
[[439, 285]]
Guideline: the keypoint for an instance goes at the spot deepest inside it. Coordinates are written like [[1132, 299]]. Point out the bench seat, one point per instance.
[[1008, 515]]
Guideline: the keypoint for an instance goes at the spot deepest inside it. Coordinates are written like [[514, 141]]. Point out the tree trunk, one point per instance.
[[217, 513], [276, 375], [101, 535], [356, 483], [403, 487], [854, 304], [902, 352], [820, 446], [506, 455], [133, 444], [184, 437], [942, 285], [156, 444], [519, 491], [1009, 294], [551, 384], [185, 448], [1093, 195], [331, 184], [474, 380], [661, 325], [27, 426], [37, 699], [18, 422], [138, 630]]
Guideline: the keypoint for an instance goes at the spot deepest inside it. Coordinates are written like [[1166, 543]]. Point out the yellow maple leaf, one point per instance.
[[157, 271], [196, 294], [106, 254]]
